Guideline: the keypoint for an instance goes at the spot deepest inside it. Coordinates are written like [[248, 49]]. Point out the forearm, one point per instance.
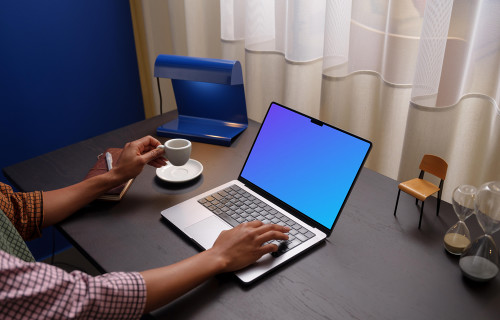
[[42, 291], [170, 282], [59, 204]]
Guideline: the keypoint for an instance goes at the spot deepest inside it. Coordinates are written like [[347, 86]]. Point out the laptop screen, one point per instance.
[[308, 165]]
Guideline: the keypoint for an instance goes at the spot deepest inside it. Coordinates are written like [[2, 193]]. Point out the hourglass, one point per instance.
[[480, 260], [457, 238]]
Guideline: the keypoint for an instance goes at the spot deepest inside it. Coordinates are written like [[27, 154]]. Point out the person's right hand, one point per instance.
[[233, 250], [243, 245], [138, 153]]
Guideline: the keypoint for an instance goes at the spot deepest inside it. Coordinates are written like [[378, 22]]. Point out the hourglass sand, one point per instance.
[[457, 238], [480, 260]]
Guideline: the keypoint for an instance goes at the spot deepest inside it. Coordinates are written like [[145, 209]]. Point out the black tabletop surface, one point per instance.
[[373, 266]]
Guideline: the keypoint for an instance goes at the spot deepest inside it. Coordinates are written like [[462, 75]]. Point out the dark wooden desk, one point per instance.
[[374, 266]]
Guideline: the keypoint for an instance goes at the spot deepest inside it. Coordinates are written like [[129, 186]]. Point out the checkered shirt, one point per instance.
[[41, 291], [30, 290], [24, 210]]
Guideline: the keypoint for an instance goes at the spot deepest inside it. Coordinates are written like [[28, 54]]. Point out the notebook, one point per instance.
[[299, 172], [101, 167]]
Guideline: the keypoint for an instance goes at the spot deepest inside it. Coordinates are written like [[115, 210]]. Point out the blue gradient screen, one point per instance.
[[308, 166]]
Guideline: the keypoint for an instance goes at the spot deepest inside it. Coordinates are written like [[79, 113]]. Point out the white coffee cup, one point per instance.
[[177, 151]]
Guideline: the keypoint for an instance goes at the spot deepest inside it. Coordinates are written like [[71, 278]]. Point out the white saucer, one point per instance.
[[174, 174]]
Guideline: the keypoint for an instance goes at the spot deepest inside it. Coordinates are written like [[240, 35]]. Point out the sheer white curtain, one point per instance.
[[412, 76]]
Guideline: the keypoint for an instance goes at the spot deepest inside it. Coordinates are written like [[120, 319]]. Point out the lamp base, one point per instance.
[[202, 130]]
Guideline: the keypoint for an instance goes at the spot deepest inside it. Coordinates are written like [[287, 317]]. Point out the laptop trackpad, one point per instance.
[[206, 231]]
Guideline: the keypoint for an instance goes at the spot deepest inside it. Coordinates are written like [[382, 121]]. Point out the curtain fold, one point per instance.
[[413, 76]]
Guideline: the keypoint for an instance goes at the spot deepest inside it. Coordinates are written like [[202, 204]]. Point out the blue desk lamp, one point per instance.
[[210, 98]]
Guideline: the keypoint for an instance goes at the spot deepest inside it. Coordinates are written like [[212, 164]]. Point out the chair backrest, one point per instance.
[[434, 165]]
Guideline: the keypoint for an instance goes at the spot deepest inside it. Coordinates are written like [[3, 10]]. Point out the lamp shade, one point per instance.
[[210, 98], [198, 69]]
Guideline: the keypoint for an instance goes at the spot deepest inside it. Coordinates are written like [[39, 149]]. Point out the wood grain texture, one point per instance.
[[374, 265]]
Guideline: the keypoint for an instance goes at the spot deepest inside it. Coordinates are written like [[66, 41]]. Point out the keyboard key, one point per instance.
[[302, 230], [309, 234], [229, 220], [217, 196], [301, 237], [280, 216], [293, 243]]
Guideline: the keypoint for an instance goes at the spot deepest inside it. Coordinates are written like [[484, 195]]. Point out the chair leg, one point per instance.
[[421, 213], [397, 200], [439, 203], [416, 201]]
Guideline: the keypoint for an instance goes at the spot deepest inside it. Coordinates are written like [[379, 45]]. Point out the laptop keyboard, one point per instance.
[[235, 205]]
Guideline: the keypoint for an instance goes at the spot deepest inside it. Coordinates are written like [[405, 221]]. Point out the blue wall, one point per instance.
[[68, 72]]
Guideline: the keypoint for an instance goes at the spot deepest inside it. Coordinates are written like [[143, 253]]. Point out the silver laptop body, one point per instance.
[[272, 183]]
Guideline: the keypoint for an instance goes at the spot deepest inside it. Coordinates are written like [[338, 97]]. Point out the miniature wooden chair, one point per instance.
[[421, 189]]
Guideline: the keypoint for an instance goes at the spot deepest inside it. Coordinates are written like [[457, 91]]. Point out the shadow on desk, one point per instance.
[[164, 187]]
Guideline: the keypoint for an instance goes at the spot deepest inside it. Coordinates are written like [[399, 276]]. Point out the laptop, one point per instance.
[[299, 172]]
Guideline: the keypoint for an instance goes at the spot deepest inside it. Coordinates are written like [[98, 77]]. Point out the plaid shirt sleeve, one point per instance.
[[24, 210], [42, 291]]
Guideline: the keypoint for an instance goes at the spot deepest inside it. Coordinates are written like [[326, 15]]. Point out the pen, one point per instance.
[[109, 161]]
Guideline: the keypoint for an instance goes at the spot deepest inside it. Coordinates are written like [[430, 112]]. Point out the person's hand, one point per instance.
[[233, 250], [138, 153], [243, 245]]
